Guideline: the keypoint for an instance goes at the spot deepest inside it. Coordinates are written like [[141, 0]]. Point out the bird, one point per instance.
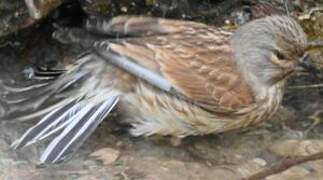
[[164, 77]]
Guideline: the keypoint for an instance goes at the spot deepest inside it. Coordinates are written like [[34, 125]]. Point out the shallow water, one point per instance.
[[113, 154]]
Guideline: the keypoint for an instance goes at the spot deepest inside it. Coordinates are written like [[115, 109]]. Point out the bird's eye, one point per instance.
[[279, 55]]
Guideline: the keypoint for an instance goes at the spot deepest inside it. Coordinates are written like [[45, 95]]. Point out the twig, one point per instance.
[[310, 13], [306, 86], [314, 45], [286, 4], [284, 165]]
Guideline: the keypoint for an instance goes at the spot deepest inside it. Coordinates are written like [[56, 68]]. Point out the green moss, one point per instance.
[[314, 26]]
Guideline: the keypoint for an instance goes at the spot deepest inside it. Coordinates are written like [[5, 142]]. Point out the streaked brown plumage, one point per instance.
[[167, 77]]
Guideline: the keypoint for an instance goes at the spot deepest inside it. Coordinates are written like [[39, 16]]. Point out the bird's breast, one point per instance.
[[267, 107]]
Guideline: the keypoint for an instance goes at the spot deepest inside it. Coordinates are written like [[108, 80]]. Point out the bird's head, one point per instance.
[[268, 50]]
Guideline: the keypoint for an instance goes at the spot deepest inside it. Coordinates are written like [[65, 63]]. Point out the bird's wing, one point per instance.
[[135, 26], [193, 59]]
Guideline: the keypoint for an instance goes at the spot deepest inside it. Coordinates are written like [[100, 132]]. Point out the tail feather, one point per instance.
[[48, 123], [31, 100], [78, 130], [5, 88], [69, 107], [41, 112]]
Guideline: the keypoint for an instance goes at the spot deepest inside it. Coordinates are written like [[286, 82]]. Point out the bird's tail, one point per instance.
[[68, 104]]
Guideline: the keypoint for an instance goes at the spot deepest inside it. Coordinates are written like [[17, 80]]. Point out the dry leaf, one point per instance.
[[106, 155], [251, 167]]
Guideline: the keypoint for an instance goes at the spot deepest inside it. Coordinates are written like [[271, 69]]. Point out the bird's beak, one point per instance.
[[305, 65], [305, 62]]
